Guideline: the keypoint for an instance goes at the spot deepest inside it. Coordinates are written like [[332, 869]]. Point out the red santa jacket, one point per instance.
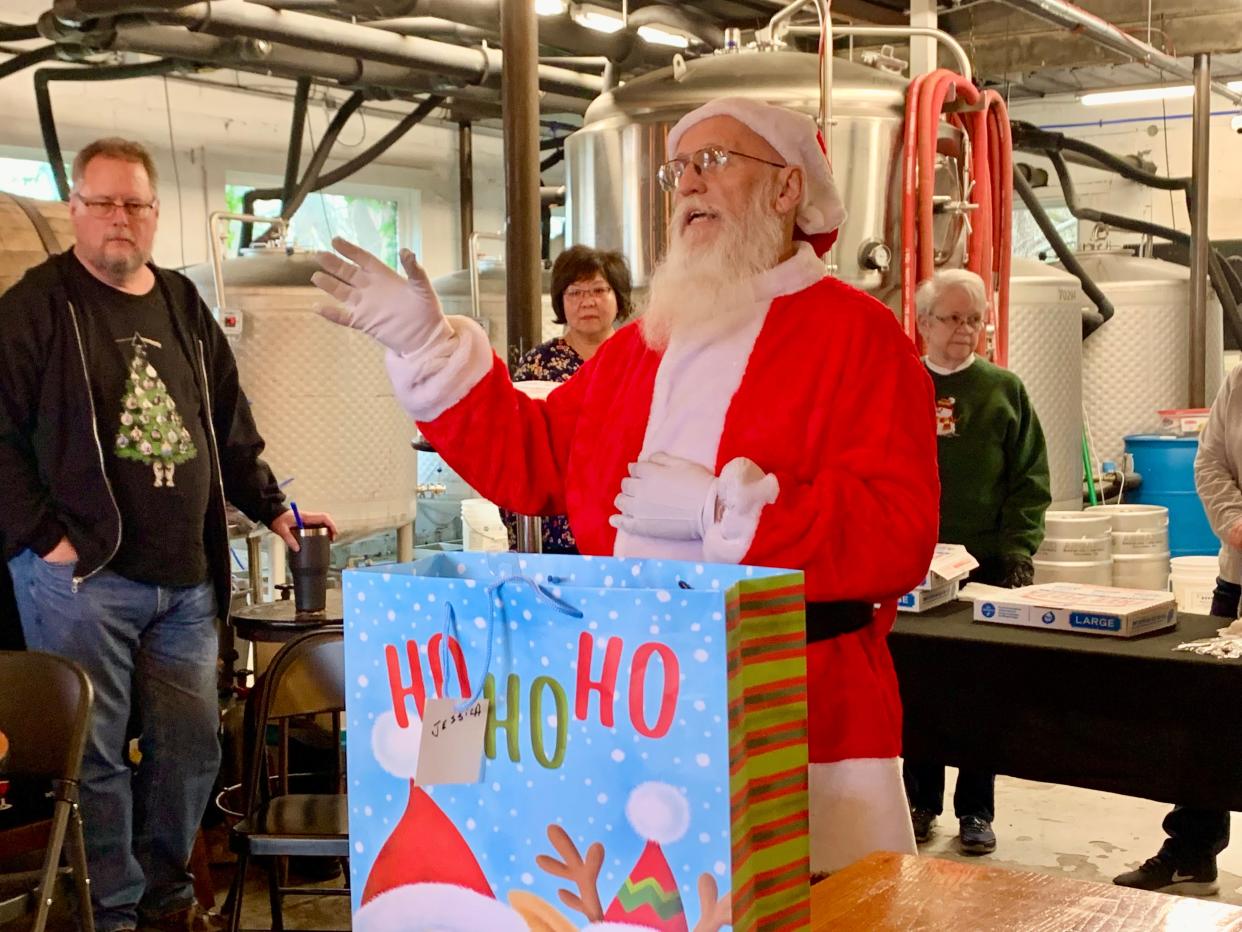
[[834, 401]]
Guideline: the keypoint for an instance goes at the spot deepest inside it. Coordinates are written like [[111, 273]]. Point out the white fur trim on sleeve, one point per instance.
[[434, 378], [743, 490]]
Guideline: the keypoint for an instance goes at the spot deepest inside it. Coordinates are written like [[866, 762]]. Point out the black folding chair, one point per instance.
[[45, 709], [306, 677]]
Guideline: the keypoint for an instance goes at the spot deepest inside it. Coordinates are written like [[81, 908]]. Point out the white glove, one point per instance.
[[666, 497], [401, 313]]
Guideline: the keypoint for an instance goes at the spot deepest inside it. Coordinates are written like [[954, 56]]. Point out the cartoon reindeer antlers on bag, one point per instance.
[[647, 898]]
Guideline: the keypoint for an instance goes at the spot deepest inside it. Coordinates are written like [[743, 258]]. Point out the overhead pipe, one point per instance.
[[779, 23], [23, 60], [953, 47], [432, 27], [465, 187], [1079, 21], [1103, 306], [236, 17], [1201, 123], [319, 180], [297, 129], [1219, 278], [1030, 138], [43, 101], [137, 35], [18, 33], [286, 61], [519, 92]]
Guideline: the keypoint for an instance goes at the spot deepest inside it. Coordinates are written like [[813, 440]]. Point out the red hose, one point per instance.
[[909, 193], [990, 241]]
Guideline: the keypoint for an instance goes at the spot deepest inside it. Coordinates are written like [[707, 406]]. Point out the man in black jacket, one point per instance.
[[123, 430]]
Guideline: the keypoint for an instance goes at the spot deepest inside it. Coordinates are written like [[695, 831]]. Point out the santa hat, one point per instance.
[[796, 138], [427, 878], [649, 898]]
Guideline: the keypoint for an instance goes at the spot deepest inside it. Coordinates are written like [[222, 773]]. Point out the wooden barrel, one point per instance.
[[30, 231]]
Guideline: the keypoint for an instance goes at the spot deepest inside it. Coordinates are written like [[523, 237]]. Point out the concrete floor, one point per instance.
[[1069, 832]]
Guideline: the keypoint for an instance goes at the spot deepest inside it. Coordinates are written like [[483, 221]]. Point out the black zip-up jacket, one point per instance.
[[53, 482]]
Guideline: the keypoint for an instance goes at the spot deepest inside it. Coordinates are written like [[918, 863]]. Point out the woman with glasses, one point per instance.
[[994, 490], [590, 294]]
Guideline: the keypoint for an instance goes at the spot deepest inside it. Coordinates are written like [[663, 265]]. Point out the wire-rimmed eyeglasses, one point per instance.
[[709, 158]]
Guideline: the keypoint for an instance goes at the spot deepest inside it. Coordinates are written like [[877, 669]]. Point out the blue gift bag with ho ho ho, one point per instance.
[[562, 743]]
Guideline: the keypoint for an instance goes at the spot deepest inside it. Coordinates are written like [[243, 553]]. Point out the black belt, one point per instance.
[[828, 620]]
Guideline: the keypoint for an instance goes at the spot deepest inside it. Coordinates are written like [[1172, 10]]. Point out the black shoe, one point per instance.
[[1166, 877], [924, 822], [976, 835]]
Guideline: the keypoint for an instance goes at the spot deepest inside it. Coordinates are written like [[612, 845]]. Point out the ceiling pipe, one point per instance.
[[953, 47], [1102, 32], [432, 27], [236, 17], [256, 56]]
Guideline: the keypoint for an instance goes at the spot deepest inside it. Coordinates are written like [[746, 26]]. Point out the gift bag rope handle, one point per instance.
[[557, 580], [495, 597]]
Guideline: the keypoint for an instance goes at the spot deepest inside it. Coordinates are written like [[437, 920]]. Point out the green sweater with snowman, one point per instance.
[[994, 484]]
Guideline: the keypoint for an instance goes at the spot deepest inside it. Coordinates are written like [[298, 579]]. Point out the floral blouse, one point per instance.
[[553, 361]]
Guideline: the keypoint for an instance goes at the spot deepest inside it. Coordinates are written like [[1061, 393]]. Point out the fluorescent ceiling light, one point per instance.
[[657, 36], [1234, 85], [599, 18], [550, 7], [1137, 95]]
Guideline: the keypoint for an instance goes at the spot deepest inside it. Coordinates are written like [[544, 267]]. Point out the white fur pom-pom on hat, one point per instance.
[[658, 812], [796, 138]]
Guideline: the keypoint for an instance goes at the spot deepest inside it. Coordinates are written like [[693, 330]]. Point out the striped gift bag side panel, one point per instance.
[[766, 634]]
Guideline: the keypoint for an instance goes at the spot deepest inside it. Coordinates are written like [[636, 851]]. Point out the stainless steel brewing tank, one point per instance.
[[1045, 351], [1139, 362], [613, 200], [319, 394], [453, 290]]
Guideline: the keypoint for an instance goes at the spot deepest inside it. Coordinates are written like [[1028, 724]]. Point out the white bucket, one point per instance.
[[1141, 571], [1095, 572], [1193, 580], [1133, 517], [1076, 549], [481, 526], [1067, 524], [1134, 543]]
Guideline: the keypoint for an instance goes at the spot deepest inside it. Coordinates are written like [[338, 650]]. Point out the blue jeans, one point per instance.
[[150, 652]]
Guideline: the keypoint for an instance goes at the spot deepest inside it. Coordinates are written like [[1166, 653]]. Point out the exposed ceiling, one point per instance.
[[1026, 55]]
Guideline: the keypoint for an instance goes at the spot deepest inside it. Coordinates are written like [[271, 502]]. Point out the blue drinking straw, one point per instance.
[[297, 515]]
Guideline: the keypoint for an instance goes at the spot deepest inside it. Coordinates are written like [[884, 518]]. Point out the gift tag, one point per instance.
[[451, 747]]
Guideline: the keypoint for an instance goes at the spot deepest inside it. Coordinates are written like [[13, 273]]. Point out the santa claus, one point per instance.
[[760, 412]]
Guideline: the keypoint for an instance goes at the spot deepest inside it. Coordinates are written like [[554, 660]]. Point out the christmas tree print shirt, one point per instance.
[[150, 422]]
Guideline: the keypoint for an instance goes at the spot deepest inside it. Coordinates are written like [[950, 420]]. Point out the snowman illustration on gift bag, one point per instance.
[[151, 429]]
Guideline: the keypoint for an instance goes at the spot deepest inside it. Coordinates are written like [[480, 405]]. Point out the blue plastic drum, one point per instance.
[[1167, 465]]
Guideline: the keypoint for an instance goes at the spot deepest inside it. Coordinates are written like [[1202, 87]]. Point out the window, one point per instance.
[[1028, 241], [380, 220], [28, 178]]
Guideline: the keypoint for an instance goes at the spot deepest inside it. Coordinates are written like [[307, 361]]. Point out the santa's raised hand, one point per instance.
[[401, 312]]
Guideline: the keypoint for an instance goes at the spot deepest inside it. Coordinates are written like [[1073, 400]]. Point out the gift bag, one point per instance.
[[643, 748]]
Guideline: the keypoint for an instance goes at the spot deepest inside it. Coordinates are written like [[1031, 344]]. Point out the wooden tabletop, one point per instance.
[[900, 892]]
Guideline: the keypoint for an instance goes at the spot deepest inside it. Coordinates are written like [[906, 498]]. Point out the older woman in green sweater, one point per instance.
[[994, 490]]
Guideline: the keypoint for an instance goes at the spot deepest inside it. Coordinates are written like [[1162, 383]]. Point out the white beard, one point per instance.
[[699, 288]]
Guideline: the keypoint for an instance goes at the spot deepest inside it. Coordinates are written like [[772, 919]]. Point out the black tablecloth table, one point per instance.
[[277, 622], [1130, 716]]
